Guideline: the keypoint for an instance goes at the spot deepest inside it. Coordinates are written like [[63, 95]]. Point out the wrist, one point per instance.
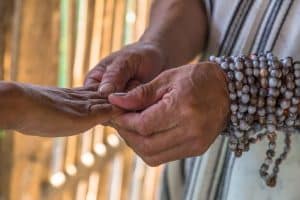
[[223, 79]]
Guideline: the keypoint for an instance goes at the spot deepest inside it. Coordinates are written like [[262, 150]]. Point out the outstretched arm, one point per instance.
[[50, 111]]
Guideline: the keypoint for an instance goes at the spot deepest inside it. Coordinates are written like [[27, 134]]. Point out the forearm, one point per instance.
[[179, 28], [9, 98]]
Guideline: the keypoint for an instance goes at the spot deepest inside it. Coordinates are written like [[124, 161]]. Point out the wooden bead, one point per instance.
[[265, 94], [264, 83], [284, 104], [238, 76], [297, 73], [287, 62], [273, 82], [297, 82], [263, 72], [224, 65], [245, 98], [276, 73], [278, 161], [239, 65], [256, 72], [238, 85], [238, 153], [270, 153], [261, 102], [271, 181], [271, 101], [253, 100], [288, 94], [272, 137]]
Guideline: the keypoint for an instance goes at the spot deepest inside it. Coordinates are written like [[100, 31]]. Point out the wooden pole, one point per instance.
[[107, 28], [2, 37], [15, 40]]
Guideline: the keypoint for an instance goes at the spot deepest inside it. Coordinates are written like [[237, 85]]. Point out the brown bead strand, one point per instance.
[[270, 154], [271, 179], [264, 94]]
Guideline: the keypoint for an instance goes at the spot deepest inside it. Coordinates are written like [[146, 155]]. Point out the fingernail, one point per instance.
[[119, 94], [106, 89]]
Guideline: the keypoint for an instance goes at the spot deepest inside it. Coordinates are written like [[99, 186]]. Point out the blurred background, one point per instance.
[[55, 42]]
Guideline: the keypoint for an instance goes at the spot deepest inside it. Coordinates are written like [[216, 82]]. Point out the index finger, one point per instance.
[[94, 76], [156, 118]]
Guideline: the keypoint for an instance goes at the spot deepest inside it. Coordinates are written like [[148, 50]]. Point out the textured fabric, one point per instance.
[[243, 27]]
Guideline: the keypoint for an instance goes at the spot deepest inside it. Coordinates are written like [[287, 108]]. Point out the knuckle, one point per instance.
[[141, 92], [112, 71], [144, 92], [129, 60], [100, 67], [82, 109], [117, 66]]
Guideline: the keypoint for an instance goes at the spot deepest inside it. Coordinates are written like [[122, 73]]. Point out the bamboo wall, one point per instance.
[[55, 42]]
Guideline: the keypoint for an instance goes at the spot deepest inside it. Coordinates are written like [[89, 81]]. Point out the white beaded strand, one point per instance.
[[264, 93]]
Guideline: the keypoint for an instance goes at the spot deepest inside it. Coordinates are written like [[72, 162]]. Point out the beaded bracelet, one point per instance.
[[264, 93]]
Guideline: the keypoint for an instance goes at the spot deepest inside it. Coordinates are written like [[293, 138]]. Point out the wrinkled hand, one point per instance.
[[50, 111], [127, 68], [178, 114]]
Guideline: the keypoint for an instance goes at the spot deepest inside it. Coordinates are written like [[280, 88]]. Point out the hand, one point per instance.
[[177, 115], [50, 111], [127, 68]]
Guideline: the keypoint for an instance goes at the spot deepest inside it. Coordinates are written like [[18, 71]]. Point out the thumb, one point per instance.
[[140, 97], [116, 76]]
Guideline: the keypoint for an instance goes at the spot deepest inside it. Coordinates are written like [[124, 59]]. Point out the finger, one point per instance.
[[156, 143], [97, 114], [94, 95], [95, 75], [85, 95], [98, 101], [76, 107], [189, 149], [92, 87], [140, 97], [114, 113], [118, 73], [103, 113], [132, 84], [159, 117], [98, 108]]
